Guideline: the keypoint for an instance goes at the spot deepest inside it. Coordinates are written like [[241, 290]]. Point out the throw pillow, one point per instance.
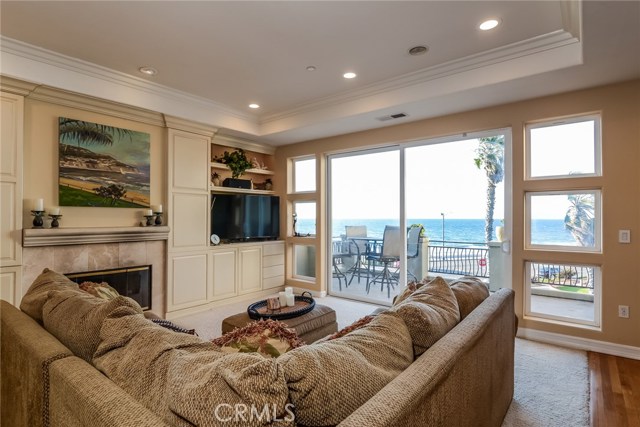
[[100, 290], [469, 292], [267, 337], [329, 380], [75, 318], [429, 313], [38, 292], [360, 323], [406, 293]]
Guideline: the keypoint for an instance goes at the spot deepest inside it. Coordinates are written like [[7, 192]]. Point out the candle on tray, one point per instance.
[[55, 211], [291, 300], [39, 205], [288, 290], [283, 299]]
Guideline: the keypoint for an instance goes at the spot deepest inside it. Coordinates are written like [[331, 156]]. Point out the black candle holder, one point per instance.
[[158, 218], [149, 219], [37, 219], [54, 220]]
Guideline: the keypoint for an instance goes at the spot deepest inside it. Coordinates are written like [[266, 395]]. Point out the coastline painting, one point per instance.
[[102, 166]]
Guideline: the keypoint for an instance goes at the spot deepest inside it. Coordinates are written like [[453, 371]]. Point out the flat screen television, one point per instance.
[[245, 217]]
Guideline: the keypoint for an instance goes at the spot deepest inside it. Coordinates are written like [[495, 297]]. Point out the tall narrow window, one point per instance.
[[304, 175]]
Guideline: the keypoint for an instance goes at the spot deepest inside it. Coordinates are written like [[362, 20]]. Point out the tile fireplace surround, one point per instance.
[[72, 250]]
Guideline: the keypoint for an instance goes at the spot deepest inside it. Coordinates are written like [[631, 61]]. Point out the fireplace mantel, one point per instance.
[[35, 237]]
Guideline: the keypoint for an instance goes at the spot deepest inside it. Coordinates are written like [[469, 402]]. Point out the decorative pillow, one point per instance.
[[355, 325], [429, 313], [267, 337], [406, 293], [469, 292], [100, 290], [75, 318], [329, 380], [173, 327], [37, 295]]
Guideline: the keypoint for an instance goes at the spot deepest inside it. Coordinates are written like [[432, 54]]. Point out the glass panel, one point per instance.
[[563, 149], [365, 200], [304, 219], [304, 175], [564, 219], [304, 261], [564, 292], [451, 197]]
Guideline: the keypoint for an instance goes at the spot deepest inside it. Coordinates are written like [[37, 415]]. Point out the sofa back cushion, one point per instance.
[[328, 380], [75, 318], [429, 313], [49, 280], [469, 292]]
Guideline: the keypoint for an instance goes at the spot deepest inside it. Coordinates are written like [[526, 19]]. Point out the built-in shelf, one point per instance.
[[218, 189], [222, 166], [33, 237]]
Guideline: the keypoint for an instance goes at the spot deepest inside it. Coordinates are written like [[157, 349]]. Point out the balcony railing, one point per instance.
[[462, 258], [562, 275]]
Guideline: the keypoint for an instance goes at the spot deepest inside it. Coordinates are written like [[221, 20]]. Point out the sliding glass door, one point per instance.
[[416, 211]]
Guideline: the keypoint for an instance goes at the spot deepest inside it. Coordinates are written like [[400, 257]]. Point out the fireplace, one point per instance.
[[133, 282]]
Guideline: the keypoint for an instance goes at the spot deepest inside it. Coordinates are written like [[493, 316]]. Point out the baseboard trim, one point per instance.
[[315, 294], [580, 343]]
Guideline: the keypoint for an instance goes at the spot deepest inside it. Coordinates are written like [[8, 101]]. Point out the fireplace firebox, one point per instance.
[[133, 282]]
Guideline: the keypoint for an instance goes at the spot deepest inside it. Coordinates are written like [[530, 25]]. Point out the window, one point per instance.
[[563, 286], [304, 218], [304, 175], [563, 148]]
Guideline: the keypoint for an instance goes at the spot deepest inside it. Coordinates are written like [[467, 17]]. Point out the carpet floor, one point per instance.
[[551, 382]]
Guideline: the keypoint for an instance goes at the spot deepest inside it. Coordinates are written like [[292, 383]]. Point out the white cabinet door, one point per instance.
[[11, 135], [249, 269], [190, 213], [189, 156], [10, 284], [223, 273], [188, 274]]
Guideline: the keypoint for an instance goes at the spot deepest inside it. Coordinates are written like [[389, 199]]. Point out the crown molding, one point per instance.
[[245, 144], [527, 48], [189, 126], [18, 87]]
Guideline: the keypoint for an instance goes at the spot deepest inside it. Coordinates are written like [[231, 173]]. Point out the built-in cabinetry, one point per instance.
[[11, 142], [200, 274]]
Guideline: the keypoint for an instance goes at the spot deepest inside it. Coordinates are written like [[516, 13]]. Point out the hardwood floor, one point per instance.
[[615, 391]]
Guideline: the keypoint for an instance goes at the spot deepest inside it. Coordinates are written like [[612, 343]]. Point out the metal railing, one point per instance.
[[562, 275], [463, 258]]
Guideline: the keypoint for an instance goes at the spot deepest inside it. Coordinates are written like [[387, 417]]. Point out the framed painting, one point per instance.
[[102, 166]]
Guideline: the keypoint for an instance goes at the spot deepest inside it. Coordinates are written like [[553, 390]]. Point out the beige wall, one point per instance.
[[619, 105], [41, 164]]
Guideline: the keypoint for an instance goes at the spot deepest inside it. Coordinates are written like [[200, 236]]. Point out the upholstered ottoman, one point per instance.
[[310, 327]]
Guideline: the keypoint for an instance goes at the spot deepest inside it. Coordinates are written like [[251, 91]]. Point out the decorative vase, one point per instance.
[[215, 180], [499, 233]]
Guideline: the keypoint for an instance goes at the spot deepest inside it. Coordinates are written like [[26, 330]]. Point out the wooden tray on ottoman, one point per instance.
[[303, 305]]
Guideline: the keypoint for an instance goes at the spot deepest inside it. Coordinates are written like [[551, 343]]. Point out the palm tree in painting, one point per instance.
[[490, 158], [579, 218], [87, 133]]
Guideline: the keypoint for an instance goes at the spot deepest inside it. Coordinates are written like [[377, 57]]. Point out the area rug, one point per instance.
[[551, 387]]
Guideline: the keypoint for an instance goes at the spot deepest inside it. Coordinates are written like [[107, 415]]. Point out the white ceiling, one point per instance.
[[214, 57]]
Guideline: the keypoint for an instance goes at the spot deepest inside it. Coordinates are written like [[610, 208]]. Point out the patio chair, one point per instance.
[[388, 256], [413, 246], [345, 256], [357, 234]]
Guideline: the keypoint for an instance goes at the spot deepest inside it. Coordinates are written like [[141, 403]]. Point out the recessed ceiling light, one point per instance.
[[254, 106], [489, 24], [311, 68], [349, 75], [418, 50], [149, 71]]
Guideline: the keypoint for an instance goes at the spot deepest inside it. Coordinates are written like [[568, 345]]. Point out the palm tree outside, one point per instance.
[[579, 219], [490, 158]]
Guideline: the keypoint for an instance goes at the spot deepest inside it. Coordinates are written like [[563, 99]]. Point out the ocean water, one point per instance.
[[544, 231]]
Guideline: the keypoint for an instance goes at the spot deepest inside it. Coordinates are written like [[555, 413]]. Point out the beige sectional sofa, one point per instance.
[[135, 373]]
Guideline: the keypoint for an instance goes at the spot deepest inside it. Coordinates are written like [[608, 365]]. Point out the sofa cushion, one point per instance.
[[360, 323], [469, 292], [429, 313], [75, 318], [266, 337], [183, 378], [328, 380], [33, 301]]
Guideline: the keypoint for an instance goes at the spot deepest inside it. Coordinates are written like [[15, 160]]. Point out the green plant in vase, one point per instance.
[[237, 162]]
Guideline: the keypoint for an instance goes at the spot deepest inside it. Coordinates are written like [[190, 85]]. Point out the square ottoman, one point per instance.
[[310, 327]]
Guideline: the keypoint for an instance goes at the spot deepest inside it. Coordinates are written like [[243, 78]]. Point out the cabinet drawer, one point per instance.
[[273, 282], [271, 260], [273, 249], [276, 270]]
